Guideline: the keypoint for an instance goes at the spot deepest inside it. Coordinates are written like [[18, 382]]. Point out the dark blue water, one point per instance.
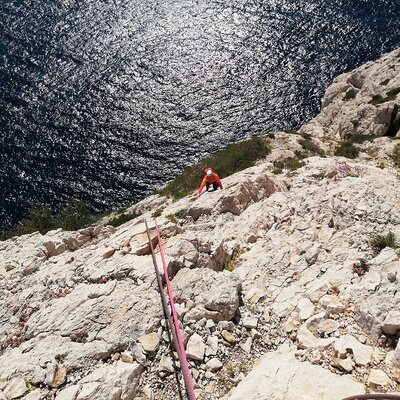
[[105, 100]]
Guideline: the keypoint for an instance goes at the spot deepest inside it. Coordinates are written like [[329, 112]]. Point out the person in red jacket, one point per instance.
[[210, 178]]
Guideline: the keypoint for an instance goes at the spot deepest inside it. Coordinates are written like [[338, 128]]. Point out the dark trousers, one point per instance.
[[214, 185]]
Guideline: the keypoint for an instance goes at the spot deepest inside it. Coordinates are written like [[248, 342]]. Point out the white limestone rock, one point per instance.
[[68, 393], [119, 379], [348, 344], [212, 346], [349, 98], [166, 364], [16, 388], [195, 348], [305, 308], [271, 376], [250, 322], [214, 364], [378, 378], [150, 342], [216, 294], [391, 324], [37, 394]]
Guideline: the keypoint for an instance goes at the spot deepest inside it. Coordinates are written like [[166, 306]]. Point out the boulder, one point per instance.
[[348, 344], [195, 348], [391, 324], [117, 381], [281, 377], [150, 342]]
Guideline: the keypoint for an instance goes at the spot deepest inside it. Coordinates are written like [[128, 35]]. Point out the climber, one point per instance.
[[210, 178]]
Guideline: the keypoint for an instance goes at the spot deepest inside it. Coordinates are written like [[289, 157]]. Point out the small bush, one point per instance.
[[293, 163], [180, 214], [350, 94], [75, 215], [301, 155], [172, 218], [361, 138], [271, 135], [377, 99], [157, 213], [125, 217], [379, 242], [290, 163], [72, 216], [355, 123], [306, 136], [278, 167], [347, 149], [231, 264], [390, 95], [231, 159], [311, 147], [395, 156], [385, 82]]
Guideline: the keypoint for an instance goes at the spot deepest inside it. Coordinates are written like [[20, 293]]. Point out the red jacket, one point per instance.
[[210, 179]]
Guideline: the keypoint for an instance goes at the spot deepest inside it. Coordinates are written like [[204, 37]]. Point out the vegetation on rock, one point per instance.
[[73, 216], [396, 155], [121, 219], [390, 95], [350, 94], [379, 242], [231, 159], [347, 149]]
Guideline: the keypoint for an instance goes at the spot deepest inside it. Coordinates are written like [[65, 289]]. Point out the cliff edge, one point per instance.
[[286, 281]]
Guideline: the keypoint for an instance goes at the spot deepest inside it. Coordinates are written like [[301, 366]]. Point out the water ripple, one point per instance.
[[106, 100]]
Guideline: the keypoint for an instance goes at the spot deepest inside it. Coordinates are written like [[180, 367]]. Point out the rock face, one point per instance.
[[279, 259], [364, 101], [282, 377]]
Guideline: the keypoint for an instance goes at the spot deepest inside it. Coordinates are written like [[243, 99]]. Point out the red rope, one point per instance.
[[181, 348], [374, 396]]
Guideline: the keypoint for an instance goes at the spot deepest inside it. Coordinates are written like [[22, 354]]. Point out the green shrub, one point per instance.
[[377, 99], [306, 136], [121, 219], [75, 215], [177, 216], [231, 263], [293, 163], [350, 94], [379, 242], [180, 214], [157, 213], [172, 218], [361, 138], [72, 216], [393, 93], [311, 147], [225, 162], [390, 95], [395, 156], [290, 163], [347, 149]]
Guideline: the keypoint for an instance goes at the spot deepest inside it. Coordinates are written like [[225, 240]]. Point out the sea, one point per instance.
[[106, 100]]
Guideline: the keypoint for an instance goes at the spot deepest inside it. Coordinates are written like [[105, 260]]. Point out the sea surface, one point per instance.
[[106, 100]]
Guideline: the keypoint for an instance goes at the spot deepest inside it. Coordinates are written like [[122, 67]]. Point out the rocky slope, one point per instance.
[[280, 294]]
